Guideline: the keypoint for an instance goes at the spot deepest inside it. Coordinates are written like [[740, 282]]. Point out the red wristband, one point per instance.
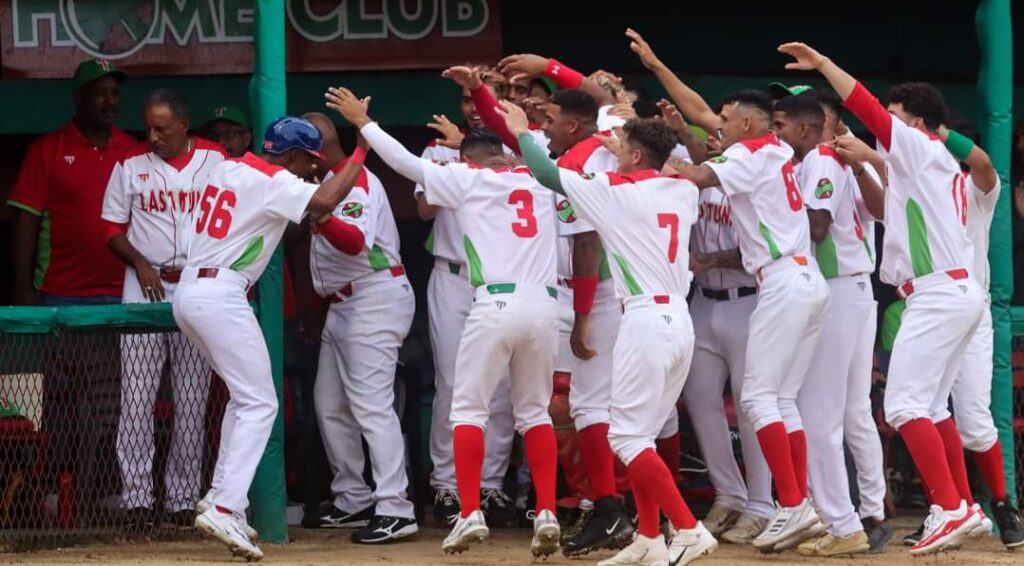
[[583, 291], [563, 76], [358, 156]]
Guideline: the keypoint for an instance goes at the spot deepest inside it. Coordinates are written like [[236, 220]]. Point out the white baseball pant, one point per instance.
[[591, 386], [142, 361], [972, 390], [651, 360], [784, 331], [941, 317], [720, 350], [848, 332], [513, 327], [355, 393], [449, 299], [215, 314]]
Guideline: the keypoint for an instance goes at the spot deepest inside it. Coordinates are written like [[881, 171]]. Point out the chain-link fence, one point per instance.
[[108, 429]]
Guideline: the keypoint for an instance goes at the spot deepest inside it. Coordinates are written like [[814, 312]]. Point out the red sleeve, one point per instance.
[[583, 291], [485, 105], [29, 192], [111, 229], [564, 76], [871, 113], [344, 236]]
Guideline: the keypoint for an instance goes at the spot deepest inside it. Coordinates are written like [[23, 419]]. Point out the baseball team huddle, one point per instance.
[[568, 229]]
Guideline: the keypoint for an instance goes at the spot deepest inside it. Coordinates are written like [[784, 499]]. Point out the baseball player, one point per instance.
[[148, 207], [241, 216], [928, 257], [846, 261], [640, 215], [449, 300], [509, 241], [724, 298], [756, 174]]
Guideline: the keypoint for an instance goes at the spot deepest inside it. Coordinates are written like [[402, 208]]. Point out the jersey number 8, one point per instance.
[[796, 200], [216, 213]]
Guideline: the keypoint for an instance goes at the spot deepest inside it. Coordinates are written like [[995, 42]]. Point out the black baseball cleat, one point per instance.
[[498, 508], [608, 526], [1011, 527], [879, 534], [383, 528], [914, 537], [139, 520], [447, 506], [340, 519]]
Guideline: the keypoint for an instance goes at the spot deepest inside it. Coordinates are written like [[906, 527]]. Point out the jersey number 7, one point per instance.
[[670, 220], [216, 213]]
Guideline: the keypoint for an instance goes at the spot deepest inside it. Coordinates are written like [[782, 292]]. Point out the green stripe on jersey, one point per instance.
[[828, 260], [43, 251], [378, 261], [917, 231], [252, 251], [773, 248], [476, 269], [429, 244], [604, 271], [627, 274]]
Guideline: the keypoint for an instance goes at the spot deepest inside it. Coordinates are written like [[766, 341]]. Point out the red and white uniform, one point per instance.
[[835, 398], [449, 300], [774, 238], [645, 222], [370, 315], [722, 303], [242, 214], [155, 199]]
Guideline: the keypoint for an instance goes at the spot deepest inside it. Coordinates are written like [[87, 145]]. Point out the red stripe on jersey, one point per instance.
[[757, 143], [362, 181], [631, 178], [517, 169], [261, 165], [828, 151], [578, 154], [202, 143]]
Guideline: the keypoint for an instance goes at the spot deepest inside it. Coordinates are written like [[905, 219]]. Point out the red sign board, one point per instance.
[[48, 38]]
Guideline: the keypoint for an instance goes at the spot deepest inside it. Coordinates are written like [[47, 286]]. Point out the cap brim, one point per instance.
[[317, 154], [778, 88]]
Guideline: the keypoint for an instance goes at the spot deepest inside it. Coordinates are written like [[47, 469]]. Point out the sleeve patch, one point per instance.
[[824, 189], [440, 162], [719, 159], [587, 176], [565, 212], [352, 210]]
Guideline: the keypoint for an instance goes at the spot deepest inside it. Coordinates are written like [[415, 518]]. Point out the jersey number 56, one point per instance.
[[216, 206]]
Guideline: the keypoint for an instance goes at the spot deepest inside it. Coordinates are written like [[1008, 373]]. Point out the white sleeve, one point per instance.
[[446, 184], [590, 195], [430, 153], [393, 152], [737, 170], [117, 203], [985, 201], [907, 149], [820, 178], [287, 196]]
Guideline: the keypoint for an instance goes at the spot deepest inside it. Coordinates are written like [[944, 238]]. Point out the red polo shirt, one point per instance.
[[63, 178]]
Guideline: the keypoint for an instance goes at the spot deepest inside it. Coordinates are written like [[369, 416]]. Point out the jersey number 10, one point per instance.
[[216, 214]]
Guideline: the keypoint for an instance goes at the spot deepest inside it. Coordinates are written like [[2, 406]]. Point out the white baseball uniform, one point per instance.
[[972, 390], [156, 198], [644, 222], [243, 212], [721, 308], [449, 300], [590, 388], [832, 394], [372, 307], [774, 238]]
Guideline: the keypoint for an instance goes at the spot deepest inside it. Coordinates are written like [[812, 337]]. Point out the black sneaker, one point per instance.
[[498, 508], [339, 519], [384, 529], [446, 506], [607, 527], [879, 534], [1011, 527], [184, 519], [582, 517], [140, 520], [914, 537]]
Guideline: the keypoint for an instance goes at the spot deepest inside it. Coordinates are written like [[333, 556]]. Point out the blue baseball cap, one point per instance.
[[289, 132]]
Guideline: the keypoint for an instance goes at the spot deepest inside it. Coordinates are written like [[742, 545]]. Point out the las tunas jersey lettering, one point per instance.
[[714, 232], [157, 198]]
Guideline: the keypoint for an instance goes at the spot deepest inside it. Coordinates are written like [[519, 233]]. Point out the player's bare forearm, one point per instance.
[[728, 259], [334, 190], [23, 255], [701, 175], [543, 169], [694, 146], [691, 104], [872, 193], [820, 221], [983, 173], [425, 210], [126, 252], [586, 254]]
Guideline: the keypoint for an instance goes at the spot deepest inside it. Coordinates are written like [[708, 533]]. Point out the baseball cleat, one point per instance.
[[1011, 527], [384, 528], [745, 530], [879, 534], [546, 533], [206, 503], [828, 545], [229, 529], [984, 528], [466, 531], [689, 545], [446, 506], [340, 519], [815, 531], [787, 522], [606, 527], [643, 552], [720, 518], [944, 530]]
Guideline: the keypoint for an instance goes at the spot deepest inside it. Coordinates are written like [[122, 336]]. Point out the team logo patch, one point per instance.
[[500, 304], [824, 189], [439, 162], [667, 318], [268, 145], [69, 159], [143, 177], [587, 176], [862, 285], [565, 212], [352, 210], [719, 159]]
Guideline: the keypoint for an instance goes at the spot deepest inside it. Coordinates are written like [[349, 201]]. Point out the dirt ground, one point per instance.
[[313, 548]]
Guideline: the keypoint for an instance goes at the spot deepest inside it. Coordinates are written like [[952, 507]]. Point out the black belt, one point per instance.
[[723, 294]]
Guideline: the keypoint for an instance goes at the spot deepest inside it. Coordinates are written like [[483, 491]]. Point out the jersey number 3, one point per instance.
[[216, 214], [526, 227]]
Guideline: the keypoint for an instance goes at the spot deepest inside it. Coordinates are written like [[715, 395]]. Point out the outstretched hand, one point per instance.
[[351, 107], [515, 118], [464, 76], [642, 49], [807, 59], [451, 136], [523, 67]]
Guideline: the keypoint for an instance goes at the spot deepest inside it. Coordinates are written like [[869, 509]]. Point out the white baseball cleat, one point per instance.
[[984, 528], [546, 533], [689, 545], [466, 531], [229, 529], [643, 552], [815, 531], [787, 522], [206, 503], [945, 530]]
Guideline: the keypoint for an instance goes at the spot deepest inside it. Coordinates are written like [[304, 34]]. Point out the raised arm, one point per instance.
[[692, 105], [983, 173], [855, 96], [543, 169], [527, 66], [694, 145], [484, 101], [701, 175]]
